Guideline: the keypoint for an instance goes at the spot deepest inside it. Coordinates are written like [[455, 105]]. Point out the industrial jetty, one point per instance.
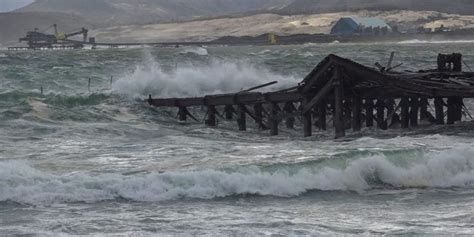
[[348, 94]]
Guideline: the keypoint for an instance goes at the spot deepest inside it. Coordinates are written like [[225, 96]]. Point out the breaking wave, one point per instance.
[[435, 41], [22, 183], [187, 80]]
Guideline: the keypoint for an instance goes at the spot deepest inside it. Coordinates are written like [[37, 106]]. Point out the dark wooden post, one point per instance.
[[451, 110], [322, 115], [211, 116], [369, 113], [381, 114], [182, 113], [307, 123], [414, 108], [454, 109], [439, 108], [423, 108], [258, 110], [405, 113], [347, 114], [274, 119], [229, 112], [356, 113], [290, 120], [339, 103], [459, 105], [241, 118]]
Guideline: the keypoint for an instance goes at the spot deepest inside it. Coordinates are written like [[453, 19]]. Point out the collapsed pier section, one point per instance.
[[343, 94]]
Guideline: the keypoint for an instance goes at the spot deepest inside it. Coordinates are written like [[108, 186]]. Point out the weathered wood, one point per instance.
[[274, 119], [258, 112], [320, 95], [356, 113], [211, 116], [242, 117], [339, 104], [249, 113], [229, 112], [182, 113], [439, 109], [351, 78], [289, 108], [459, 105], [424, 108], [381, 122], [369, 113], [405, 112], [414, 111], [322, 114], [307, 121], [451, 110], [259, 87]]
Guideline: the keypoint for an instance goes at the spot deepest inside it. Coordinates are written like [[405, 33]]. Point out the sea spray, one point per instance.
[[22, 183], [218, 76]]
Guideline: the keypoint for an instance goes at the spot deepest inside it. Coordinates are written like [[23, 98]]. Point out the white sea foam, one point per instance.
[[20, 182], [196, 50], [187, 80], [415, 41]]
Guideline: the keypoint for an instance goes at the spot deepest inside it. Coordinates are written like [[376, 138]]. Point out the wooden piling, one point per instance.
[[356, 113], [381, 122], [182, 113], [241, 118], [258, 111], [423, 108], [439, 110], [458, 112], [307, 121], [369, 113], [451, 110], [211, 120], [289, 108], [414, 111], [339, 103], [274, 119], [405, 112], [229, 112], [322, 113]]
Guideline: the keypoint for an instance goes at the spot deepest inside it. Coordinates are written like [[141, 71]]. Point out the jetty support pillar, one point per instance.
[[307, 120], [339, 107], [211, 120], [356, 113], [242, 118], [439, 110], [369, 112], [274, 119]]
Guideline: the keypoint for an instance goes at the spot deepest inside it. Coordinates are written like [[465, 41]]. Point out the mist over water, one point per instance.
[[101, 161], [188, 80]]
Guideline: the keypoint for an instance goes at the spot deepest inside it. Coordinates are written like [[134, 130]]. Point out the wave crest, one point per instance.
[[187, 80], [20, 182]]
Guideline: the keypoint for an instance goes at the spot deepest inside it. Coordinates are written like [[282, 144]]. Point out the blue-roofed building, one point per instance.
[[360, 25]]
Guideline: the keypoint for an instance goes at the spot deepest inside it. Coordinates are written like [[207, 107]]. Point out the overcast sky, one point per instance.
[[10, 5]]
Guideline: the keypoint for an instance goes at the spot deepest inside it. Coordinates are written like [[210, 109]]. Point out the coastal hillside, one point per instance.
[[120, 12], [127, 12], [255, 25], [465, 7]]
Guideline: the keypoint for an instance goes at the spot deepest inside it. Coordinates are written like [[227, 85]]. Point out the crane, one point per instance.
[[36, 39]]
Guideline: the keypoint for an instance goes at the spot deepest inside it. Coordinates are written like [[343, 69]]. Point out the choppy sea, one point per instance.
[[80, 160]]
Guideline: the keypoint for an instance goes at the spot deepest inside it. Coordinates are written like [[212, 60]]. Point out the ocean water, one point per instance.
[[80, 160]]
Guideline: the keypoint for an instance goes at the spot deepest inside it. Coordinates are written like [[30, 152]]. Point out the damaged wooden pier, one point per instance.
[[345, 95]]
